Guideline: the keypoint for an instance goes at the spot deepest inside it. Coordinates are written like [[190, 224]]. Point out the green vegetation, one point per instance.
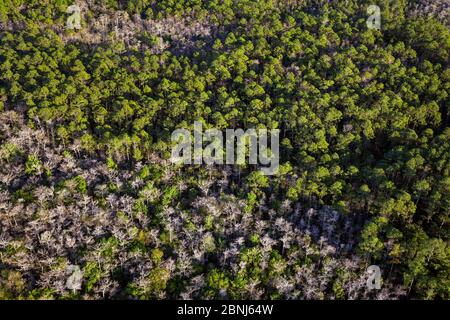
[[86, 118]]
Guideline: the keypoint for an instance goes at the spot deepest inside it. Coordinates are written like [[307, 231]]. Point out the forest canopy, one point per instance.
[[86, 117]]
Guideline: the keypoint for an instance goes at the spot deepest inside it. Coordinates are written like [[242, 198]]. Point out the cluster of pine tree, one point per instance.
[[85, 130]]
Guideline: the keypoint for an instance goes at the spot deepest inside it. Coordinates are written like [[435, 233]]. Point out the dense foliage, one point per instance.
[[85, 123]]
